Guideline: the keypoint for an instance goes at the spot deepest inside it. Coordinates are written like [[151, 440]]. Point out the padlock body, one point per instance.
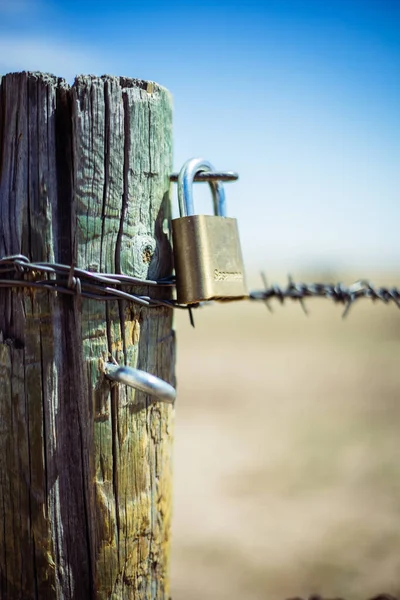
[[208, 259]]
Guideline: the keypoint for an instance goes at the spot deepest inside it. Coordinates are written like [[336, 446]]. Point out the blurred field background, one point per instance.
[[287, 453]]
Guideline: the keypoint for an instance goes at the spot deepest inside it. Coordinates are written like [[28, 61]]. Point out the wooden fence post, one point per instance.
[[85, 465]]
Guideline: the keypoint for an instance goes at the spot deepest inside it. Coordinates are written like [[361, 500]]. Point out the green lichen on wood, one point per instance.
[[85, 465]]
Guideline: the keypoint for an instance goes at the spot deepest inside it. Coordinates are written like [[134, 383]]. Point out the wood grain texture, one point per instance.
[[85, 465]]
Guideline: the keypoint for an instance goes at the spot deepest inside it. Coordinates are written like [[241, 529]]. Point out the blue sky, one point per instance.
[[302, 98]]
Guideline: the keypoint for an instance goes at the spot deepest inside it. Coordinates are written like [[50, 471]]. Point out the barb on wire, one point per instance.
[[338, 293]]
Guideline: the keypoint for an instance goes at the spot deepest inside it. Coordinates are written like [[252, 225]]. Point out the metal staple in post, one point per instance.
[[141, 380]]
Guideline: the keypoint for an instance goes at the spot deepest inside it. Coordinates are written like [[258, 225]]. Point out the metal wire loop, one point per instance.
[[207, 176]]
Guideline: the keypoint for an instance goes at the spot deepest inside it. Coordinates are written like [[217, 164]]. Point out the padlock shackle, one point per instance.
[[185, 188]]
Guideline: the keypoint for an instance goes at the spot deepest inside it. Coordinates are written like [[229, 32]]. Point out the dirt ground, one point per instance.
[[286, 466]]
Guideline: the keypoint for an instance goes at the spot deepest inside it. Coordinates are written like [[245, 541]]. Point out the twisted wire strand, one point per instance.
[[17, 271]]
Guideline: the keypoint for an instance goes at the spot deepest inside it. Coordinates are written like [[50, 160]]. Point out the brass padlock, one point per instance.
[[207, 253]]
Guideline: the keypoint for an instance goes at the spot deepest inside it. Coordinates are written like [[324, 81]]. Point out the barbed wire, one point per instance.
[[338, 293], [17, 271]]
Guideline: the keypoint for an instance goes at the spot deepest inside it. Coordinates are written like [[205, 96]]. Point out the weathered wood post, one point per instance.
[[85, 465]]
